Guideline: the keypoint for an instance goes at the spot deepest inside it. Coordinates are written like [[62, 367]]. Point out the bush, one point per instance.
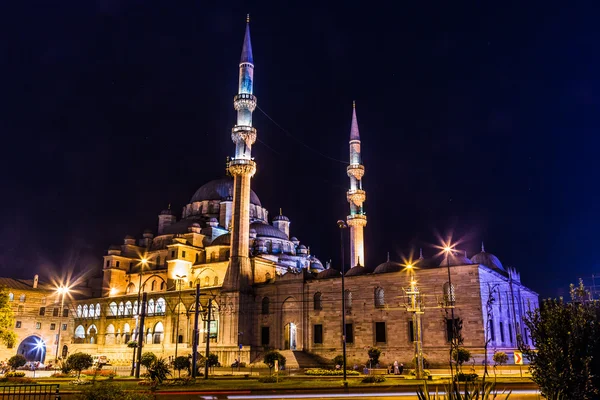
[[373, 379], [182, 362], [338, 360], [270, 358], [16, 361], [500, 358], [413, 372], [99, 372], [79, 361], [461, 377], [147, 359], [461, 355], [329, 372], [15, 374], [110, 391], [60, 375], [374, 354], [267, 379], [158, 370]]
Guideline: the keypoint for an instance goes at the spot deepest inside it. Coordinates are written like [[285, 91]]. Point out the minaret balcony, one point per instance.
[[244, 101], [356, 196], [242, 133], [241, 166], [357, 220], [355, 171]]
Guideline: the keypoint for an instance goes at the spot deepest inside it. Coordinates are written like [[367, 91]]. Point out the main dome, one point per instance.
[[220, 189]]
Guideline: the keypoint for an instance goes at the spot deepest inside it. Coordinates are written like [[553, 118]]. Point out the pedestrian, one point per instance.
[[401, 368], [396, 368]]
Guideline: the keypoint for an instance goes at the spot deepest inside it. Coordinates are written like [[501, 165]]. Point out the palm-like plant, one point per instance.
[[483, 391], [158, 371]]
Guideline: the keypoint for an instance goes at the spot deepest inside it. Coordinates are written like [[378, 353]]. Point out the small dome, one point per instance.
[[302, 247], [456, 258], [315, 264], [356, 271], [294, 239], [388, 266], [281, 218], [223, 240], [329, 273], [219, 189], [265, 230], [489, 260]]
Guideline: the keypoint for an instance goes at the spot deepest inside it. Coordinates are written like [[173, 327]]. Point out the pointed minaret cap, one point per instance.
[[421, 253], [482, 247], [354, 135], [388, 259], [247, 48]]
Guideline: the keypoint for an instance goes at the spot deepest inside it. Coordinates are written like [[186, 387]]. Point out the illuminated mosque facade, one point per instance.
[[269, 292]]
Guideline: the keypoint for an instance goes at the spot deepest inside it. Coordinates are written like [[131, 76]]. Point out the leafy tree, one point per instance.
[[338, 360], [147, 359], [79, 361], [182, 362], [461, 355], [158, 370], [374, 354], [270, 358], [567, 338], [7, 320], [213, 360], [500, 358], [16, 361]]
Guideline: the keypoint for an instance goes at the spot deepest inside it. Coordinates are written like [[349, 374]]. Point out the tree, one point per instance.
[[7, 320], [147, 359], [272, 356], [16, 361], [374, 354], [182, 362], [499, 358], [213, 360], [79, 361], [338, 360], [461, 355], [567, 338], [158, 370]]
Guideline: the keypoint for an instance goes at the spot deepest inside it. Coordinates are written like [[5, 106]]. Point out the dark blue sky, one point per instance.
[[478, 118]]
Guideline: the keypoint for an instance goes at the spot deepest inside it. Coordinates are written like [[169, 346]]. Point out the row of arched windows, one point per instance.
[[11, 297], [128, 308], [154, 335], [207, 281], [88, 311]]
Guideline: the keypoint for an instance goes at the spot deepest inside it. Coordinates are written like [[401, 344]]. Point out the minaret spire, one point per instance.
[[356, 196]]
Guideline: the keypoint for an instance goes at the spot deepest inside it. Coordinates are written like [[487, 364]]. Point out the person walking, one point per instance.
[[396, 368]]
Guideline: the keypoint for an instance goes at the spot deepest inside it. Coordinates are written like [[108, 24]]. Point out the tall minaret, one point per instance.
[[242, 168], [357, 219]]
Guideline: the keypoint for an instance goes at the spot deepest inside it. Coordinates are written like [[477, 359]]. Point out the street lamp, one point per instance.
[[62, 290], [342, 225], [180, 279], [143, 262], [450, 302]]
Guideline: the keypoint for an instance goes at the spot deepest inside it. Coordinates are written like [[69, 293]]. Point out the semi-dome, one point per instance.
[[487, 259], [266, 230], [223, 240], [388, 266], [220, 189], [356, 271]]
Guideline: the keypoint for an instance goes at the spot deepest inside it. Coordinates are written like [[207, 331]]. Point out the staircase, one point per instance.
[[296, 359]]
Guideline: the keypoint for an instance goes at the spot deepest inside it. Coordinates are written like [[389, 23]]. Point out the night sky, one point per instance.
[[476, 119]]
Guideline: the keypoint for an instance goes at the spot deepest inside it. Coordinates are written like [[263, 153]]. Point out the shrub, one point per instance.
[[110, 391], [132, 344], [329, 372], [16, 361], [79, 361], [461, 377], [267, 379], [413, 372], [373, 379], [15, 374], [374, 354], [500, 358], [270, 358], [461, 355], [99, 372], [147, 359], [182, 362], [338, 360], [60, 375]]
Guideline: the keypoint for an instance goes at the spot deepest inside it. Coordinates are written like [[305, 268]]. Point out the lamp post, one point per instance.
[[207, 339], [415, 306], [63, 290], [180, 281], [342, 225], [450, 294], [143, 262]]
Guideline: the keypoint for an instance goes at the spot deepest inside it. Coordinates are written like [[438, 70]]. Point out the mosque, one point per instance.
[[268, 291]]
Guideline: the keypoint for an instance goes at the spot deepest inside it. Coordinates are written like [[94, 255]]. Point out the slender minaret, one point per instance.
[[242, 168], [357, 219]]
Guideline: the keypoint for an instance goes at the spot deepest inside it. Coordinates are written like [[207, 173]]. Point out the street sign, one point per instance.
[[518, 358]]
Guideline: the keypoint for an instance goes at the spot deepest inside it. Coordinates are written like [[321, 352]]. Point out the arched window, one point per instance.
[[207, 281], [379, 297], [152, 286], [150, 307], [135, 308], [79, 311], [22, 298], [348, 298], [91, 311], [126, 333], [11, 296], [121, 310], [161, 306], [128, 308], [85, 311], [158, 333], [110, 334], [130, 288], [216, 281], [449, 295], [265, 305], [317, 301], [79, 333], [112, 307], [98, 310], [162, 285]]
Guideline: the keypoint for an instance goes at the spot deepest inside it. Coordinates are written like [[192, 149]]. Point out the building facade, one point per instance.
[[267, 290]]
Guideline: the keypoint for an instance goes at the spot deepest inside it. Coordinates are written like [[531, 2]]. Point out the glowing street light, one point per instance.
[[62, 291], [143, 263]]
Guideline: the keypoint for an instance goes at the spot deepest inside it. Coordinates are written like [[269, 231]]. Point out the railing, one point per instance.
[[35, 392]]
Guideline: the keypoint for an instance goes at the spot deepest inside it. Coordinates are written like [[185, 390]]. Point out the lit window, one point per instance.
[[379, 297], [22, 298], [52, 327], [64, 327], [18, 325], [38, 325]]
